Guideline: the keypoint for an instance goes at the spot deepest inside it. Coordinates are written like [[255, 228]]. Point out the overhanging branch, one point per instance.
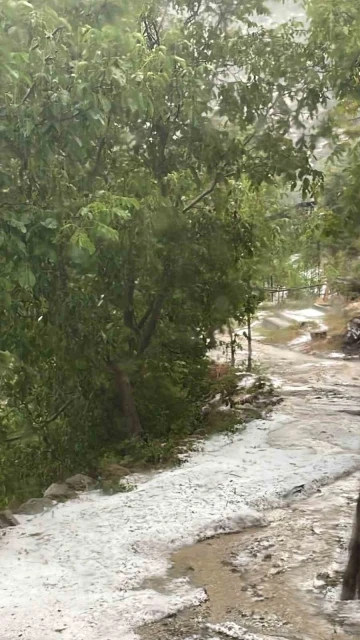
[[57, 413], [202, 195], [42, 424], [207, 191]]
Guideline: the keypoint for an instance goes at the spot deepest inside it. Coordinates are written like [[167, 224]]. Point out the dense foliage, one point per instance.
[[334, 30], [140, 151]]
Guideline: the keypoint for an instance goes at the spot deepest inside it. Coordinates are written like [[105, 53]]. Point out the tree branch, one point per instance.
[[15, 204], [151, 33], [202, 195], [70, 116], [146, 315], [194, 14], [14, 438], [151, 317], [101, 146], [129, 316], [27, 94], [44, 423], [207, 191], [57, 413], [152, 321]]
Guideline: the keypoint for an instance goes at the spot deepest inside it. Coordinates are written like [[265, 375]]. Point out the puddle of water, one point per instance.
[[277, 581]]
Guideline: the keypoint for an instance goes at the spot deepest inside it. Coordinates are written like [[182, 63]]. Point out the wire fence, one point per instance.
[[282, 293]]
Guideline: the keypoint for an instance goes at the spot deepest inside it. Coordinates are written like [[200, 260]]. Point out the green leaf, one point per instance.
[[6, 361], [131, 202], [121, 213], [50, 223], [17, 224], [119, 76], [29, 126], [20, 245], [5, 300], [106, 232], [180, 61], [82, 240], [105, 103], [24, 3], [25, 277]]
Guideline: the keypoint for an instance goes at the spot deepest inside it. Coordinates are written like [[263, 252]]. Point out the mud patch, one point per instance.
[[278, 582]]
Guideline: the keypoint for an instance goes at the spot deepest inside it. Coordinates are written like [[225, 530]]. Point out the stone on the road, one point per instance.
[[7, 519], [60, 492], [34, 506], [80, 482]]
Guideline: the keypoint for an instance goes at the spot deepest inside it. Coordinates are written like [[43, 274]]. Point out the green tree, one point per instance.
[[130, 139]]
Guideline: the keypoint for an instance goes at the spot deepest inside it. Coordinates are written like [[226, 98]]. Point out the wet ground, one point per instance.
[[98, 567], [282, 581]]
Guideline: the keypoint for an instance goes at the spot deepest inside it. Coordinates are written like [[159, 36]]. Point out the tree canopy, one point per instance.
[[144, 149]]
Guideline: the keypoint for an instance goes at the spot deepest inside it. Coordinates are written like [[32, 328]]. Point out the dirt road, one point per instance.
[[282, 581]]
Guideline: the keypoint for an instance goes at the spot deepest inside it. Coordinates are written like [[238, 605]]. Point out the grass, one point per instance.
[[222, 422], [160, 454], [281, 336]]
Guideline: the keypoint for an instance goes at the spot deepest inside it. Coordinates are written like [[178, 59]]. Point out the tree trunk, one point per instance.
[[351, 580], [232, 344], [152, 321], [249, 341], [210, 338], [126, 400]]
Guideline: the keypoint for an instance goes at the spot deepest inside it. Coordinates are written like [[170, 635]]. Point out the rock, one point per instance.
[[114, 471], [35, 505], [224, 408], [318, 334], [295, 491], [60, 492], [251, 412], [212, 405], [352, 336], [244, 399], [7, 519], [206, 410], [80, 482], [215, 401]]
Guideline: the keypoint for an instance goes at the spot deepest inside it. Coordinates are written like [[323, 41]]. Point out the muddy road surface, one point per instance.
[[282, 581]]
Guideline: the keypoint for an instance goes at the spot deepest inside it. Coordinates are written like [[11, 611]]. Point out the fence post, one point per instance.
[[249, 341]]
